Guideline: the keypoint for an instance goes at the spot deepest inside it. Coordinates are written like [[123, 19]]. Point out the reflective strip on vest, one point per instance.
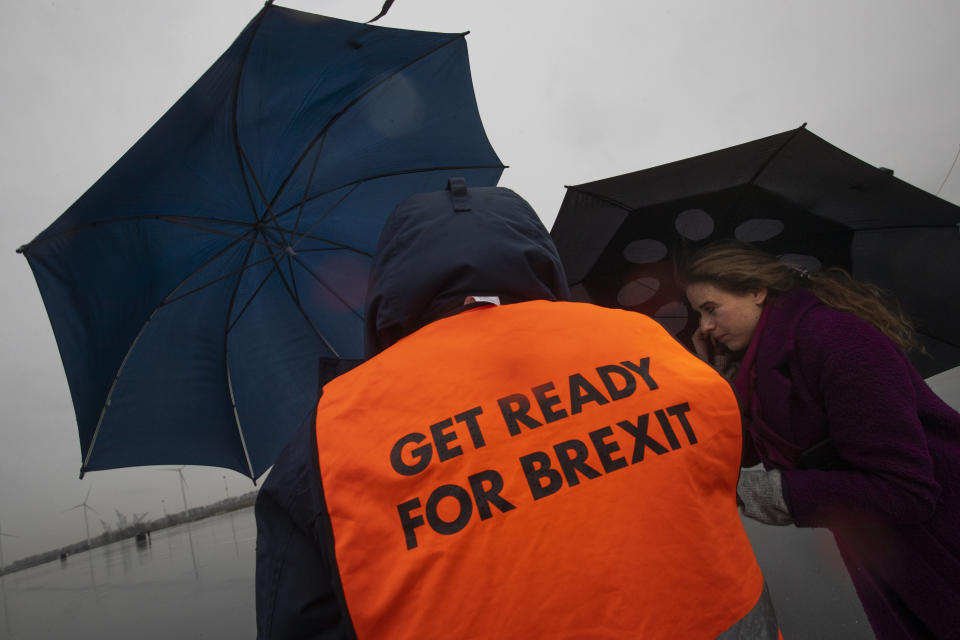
[[542, 469]]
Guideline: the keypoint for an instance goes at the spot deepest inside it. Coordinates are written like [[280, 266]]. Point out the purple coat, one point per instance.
[[894, 506]]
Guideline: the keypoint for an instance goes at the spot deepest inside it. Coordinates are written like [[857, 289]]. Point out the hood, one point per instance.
[[438, 248]]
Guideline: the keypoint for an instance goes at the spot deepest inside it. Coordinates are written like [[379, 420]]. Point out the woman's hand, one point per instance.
[[716, 355], [760, 496], [702, 345]]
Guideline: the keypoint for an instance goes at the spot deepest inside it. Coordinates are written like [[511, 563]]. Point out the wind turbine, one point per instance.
[[2, 536], [183, 484], [183, 492], [84, 506]]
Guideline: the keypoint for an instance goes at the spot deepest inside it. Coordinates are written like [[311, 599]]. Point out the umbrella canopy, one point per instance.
[[792, 194], [198, 289]]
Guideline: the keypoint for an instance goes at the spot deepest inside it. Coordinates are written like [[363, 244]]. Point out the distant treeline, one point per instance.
[[130, 531]]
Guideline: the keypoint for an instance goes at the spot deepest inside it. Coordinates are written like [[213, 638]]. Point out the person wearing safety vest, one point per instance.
[[507, 464]]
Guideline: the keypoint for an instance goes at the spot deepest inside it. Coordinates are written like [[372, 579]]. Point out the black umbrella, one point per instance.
[[792, 194]]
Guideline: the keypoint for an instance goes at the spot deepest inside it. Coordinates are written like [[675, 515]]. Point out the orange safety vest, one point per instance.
[[541, 469]]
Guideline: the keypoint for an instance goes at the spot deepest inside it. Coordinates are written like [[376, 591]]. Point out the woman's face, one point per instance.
[[726, 318]]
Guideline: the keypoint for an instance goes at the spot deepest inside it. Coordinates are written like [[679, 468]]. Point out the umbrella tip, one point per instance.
[[885, 170], [83, 470], [21, 248]]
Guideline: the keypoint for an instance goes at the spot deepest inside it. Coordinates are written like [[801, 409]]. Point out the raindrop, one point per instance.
[[638, 291], [673, 316], [808, 262], [645, 251], [758, 230], [694, 224]]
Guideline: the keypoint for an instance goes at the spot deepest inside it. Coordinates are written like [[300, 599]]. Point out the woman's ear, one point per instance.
[[758, 296]]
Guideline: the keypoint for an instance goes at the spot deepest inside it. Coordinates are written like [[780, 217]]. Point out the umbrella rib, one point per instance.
[[353, 187], [250, 299], [766, 163], [236, 288], [296, 295], [350, 104], [183, 222], [264, 243], [254, 295], [232, 324], [263, 196], [296, 302], [337, 246], [322, 249], [602, 198], [939, 339], [133, 345], [735, 206], [949, 172], [113, 385], [327, 287], [215, 281], [179, 220], [201, 268], [356, 183], [236, 414], [390, 174], [306, 317], [279, 269], [241, 155], [323, 217], [226, 355], [293, 279], [306, 188], [907, 227]]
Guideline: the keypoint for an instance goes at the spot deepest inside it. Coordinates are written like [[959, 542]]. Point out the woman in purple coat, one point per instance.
[[850, 436]]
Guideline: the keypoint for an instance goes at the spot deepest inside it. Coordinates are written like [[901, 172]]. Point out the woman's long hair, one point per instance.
[[738, 267]]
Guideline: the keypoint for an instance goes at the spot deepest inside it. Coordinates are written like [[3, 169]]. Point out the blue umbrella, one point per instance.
[[197, 288]]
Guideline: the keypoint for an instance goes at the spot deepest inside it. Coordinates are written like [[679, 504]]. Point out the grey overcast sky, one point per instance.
[[569, 92]]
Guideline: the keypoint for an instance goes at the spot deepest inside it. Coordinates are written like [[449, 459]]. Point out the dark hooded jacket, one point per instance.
[[433, 253]]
